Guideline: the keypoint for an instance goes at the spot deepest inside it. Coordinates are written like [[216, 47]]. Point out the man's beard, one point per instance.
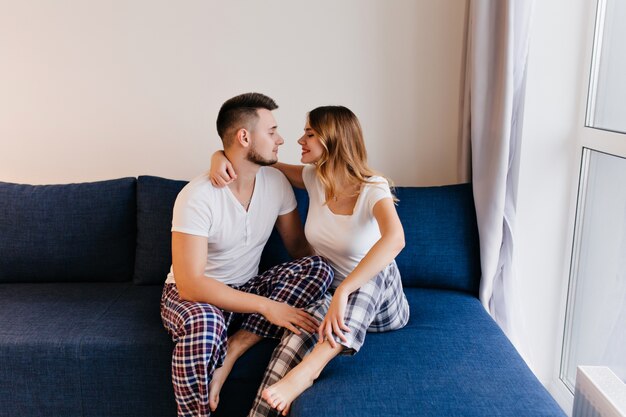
[[254, 157]]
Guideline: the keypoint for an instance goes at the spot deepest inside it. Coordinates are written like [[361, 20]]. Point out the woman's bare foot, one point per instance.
[[215, 386], [281, 394]]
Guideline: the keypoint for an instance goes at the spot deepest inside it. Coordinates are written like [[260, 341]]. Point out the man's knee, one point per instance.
[[205, 321]]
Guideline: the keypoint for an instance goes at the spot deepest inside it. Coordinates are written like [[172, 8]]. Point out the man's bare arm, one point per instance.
[[189, 254]]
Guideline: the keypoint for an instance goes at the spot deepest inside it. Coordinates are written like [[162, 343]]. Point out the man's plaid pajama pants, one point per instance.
[[199, 330]]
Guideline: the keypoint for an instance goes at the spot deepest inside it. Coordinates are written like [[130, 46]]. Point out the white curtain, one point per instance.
[[497, 46]]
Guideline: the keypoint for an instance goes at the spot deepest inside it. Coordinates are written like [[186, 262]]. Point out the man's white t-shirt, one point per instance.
[[343, 239], [236, 237]]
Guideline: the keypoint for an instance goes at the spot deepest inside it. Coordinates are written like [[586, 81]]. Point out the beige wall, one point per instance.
[[101, 89]]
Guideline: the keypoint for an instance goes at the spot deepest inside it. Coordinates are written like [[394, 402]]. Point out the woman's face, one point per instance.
[[312, 148]]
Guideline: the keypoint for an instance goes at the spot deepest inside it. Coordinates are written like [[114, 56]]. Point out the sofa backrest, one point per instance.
[[155, 204], [442, 249], [67, 233], [118, 229]]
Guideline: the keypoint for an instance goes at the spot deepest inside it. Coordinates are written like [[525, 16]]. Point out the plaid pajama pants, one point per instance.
[[378, 306], [199, 330]]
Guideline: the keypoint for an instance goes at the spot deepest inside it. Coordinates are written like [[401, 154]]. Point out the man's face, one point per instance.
[[264, 140]]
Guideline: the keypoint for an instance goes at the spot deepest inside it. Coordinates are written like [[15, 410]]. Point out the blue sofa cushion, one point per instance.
[[95, 342], [155, 203], [77, 346], [442, 249], [126, 354], [71, 232], [41, 341], [450, 360]]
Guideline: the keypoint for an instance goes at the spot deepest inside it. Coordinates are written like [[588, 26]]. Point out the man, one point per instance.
[[218, 235]]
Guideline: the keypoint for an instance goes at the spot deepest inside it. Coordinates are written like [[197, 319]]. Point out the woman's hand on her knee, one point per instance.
[[333, 323]]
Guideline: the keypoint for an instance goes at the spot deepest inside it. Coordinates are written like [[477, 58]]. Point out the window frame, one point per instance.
[[594, 139]]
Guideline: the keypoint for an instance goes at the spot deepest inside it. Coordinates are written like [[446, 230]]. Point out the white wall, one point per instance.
[[549, 170], [101, 89]]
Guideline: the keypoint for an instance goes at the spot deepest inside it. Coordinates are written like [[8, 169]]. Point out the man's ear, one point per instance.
[[243, 137]]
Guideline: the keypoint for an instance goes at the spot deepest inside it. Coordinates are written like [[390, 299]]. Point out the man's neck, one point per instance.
[[246, 171]]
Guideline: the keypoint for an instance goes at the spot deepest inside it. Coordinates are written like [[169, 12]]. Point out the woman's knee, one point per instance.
[[319, 273], [295, 341], [326, 271]]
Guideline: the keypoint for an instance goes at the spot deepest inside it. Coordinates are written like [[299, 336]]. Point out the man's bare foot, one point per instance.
[[281, 394], [239, 343], [215, 386]]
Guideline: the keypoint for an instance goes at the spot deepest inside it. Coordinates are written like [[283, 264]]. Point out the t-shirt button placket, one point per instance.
[[247, 230]]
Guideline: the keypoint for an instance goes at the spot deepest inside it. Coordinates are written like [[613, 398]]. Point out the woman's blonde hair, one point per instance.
[[344, 157]]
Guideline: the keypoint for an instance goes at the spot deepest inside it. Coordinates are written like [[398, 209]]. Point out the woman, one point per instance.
[[353, 223]]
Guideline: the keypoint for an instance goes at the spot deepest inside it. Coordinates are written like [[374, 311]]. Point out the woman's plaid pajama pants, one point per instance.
[[378, 306]]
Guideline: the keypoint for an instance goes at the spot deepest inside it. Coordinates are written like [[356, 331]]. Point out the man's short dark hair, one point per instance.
[[241, 111]]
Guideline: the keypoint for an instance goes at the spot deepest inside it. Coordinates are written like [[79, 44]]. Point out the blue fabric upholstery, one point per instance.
[[74, 232], [106, 342], [69, 349], [99, 349], [125, 354], [41, 332], [441, 236], [155, 203], [450, 360]]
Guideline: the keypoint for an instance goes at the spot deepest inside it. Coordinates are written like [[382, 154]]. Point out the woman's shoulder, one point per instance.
[[308, 169], [375, 188], [377, 181], [309, 176]]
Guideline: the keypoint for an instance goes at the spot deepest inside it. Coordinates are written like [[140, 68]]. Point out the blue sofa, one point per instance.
[[81, 272]]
